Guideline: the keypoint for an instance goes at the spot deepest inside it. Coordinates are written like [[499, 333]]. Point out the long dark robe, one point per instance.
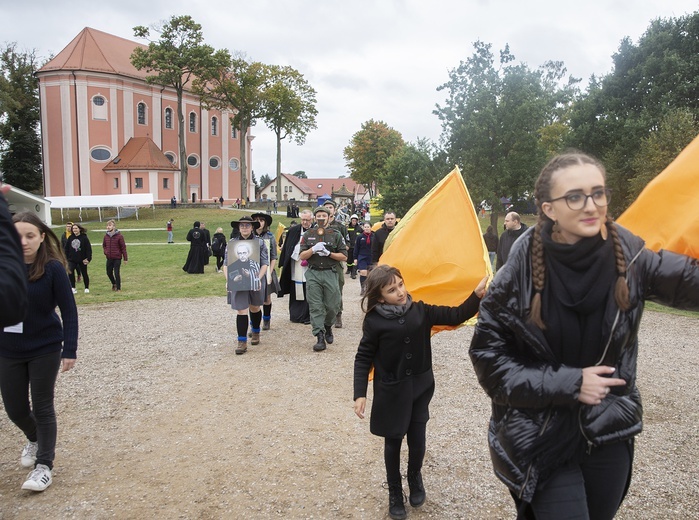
[[298, 309], [198, 254]]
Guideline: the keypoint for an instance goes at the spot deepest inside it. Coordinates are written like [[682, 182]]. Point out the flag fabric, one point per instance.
[[438, 246], [279, 232], [666, 213]]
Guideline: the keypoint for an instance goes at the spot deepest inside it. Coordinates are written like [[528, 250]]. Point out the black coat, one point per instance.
[[293, 236], [531, 390], [401, 353], [378, 241], [13, 274], [198, 255], [505, 242]]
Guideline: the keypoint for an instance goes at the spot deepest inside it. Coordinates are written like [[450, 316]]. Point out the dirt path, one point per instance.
[[161, 420]]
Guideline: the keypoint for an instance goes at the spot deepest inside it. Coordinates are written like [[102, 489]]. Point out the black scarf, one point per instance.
[[579, 281]]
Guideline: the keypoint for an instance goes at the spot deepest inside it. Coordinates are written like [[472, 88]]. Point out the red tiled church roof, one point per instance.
[[140, 153], [97, 51]]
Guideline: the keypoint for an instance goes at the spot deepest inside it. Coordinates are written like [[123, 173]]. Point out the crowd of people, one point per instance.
[[554, 347]]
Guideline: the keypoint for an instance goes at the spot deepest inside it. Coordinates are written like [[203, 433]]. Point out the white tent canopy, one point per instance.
[[133, 200]]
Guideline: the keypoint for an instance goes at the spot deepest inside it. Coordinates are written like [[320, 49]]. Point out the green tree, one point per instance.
[[658, 75], [300, 174], [239, 88], [177, 58], [676, 130], [368, 151], [265, 179], [495, 118], [290, 109], [409, 174], [20, 148]]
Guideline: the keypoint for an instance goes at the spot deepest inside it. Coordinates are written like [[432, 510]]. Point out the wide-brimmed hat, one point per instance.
[[268, 218], [245, 220]]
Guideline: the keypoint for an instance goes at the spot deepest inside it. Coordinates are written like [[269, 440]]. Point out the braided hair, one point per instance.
[[542, 193]]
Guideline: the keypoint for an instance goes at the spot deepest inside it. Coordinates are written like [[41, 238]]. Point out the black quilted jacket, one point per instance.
[[530, 390]]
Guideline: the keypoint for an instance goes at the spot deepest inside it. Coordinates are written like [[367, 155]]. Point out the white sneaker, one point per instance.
[[29, 454], [39, 479], [87, 291], [75, 291]]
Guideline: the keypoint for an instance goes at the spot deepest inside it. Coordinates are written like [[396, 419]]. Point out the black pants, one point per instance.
[[219, 262], [37, 420], [590, 490], [114, 271], [416, 452], [82, 269]]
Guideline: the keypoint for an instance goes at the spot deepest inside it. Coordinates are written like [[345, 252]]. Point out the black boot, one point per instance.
[[396, 502], [353, 273], [329, 338], [320, 345], [417, 490]]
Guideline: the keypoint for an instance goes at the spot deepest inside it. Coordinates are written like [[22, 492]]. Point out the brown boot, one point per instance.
[[255, 338], [338, 320], [265, 324], [242, 347]]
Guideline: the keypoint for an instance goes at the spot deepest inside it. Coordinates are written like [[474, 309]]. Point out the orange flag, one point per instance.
[[438, 245], [666, 213]]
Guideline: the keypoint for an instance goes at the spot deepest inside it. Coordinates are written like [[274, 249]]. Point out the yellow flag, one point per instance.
[[280, 230], [666, 213], [438, 245]]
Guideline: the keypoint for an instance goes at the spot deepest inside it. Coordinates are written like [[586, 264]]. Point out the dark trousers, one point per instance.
[[590, 490], [416, 452], [37, 420], [219, 262], [82, 269], [114, 271]]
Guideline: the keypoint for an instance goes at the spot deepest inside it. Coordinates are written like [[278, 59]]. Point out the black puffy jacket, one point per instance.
[[530, 390]]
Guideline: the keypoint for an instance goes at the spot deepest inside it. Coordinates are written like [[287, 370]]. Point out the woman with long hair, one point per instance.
[[556, 344], [78, 251], [33, 351]]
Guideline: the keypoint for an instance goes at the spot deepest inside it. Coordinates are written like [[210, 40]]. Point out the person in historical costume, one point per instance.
[[272, 282], [293, 276], [198, 252]]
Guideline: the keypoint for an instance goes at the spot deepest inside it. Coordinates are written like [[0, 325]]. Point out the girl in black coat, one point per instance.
[[78, 252], [396, 342]]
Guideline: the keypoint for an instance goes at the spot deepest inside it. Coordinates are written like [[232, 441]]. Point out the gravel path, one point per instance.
[[161, 420]]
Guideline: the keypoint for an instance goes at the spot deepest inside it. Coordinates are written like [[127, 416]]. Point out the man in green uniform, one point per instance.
[[333, 223], [323, 248]]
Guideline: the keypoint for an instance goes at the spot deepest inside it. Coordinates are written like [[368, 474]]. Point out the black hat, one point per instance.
[[268, 218], [247, 220]]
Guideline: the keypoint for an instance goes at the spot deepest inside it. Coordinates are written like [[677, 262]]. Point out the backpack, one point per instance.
[[219, 246]]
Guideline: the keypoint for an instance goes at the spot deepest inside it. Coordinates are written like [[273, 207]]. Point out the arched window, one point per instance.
[[214, 125], [192, 122], [168, 118], [141, 110], [234, 133]]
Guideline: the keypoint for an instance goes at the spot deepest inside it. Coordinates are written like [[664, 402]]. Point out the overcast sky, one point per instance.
[[366, 59]]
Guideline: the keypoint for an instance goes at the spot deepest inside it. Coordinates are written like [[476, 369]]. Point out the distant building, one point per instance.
[[311, 189], [100, 121]]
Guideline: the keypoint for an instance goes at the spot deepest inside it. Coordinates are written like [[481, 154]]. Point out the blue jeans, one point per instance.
[[37, 420]]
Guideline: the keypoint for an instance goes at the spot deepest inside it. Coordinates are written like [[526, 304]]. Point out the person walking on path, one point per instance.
[[514, 228], [324, 249], [271, 281], [114, 249], [293, 278], [33, 350], [396, 342], [556, 344], [245, 279], [13, 279], [335, 224], [353, 230], [362, 253], [78, 251], [381, 234], [491, 243]]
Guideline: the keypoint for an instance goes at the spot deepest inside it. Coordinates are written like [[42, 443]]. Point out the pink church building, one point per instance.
[[105, 131]]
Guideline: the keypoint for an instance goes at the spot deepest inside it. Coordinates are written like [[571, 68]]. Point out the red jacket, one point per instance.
[[114, 246]]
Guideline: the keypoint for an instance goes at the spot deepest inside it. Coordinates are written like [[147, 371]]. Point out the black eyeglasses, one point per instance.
[[577, 201]]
